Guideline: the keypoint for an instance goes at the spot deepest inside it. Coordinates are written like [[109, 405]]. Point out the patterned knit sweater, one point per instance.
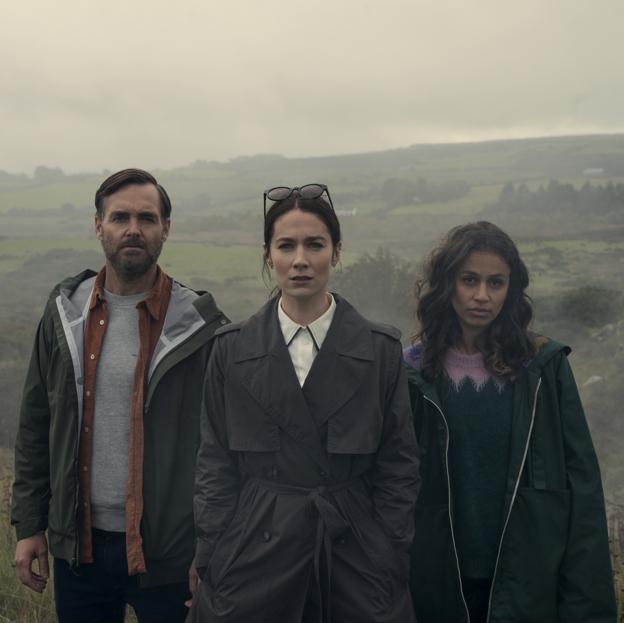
[[478, 408]]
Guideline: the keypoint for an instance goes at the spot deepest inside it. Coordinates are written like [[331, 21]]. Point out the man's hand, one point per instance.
[[193, 578], [26, 551]]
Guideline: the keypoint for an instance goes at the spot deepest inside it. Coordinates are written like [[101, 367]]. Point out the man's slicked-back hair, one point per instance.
[[127, 177]]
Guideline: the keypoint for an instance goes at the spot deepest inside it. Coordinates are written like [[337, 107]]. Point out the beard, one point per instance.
[[130, 267]]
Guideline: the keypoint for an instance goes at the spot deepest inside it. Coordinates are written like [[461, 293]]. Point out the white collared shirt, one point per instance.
[[305, 342]]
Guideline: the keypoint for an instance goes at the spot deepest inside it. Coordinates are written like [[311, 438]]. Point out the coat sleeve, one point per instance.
[[217, 481], [31, 488], [395, 479], [586, 593]]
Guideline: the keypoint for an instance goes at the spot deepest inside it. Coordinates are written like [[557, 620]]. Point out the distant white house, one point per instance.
[[351, 212], [593, 172]]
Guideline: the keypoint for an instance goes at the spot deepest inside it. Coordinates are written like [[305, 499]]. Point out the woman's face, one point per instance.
[[302, 254], [481, 287]]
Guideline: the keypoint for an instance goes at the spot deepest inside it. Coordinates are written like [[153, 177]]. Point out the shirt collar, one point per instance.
[[152, 301], [318, 328]]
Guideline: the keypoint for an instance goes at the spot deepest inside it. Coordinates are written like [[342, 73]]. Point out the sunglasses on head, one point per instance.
[[308, 191]]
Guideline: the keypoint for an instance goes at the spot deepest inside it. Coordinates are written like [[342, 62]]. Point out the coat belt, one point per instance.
[[330, 525]]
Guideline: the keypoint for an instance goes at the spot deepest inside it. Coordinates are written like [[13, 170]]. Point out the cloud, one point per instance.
[[93, 84]]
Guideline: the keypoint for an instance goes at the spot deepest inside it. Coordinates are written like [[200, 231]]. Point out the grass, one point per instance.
[[19, 604], [615, 518], [195, 259], [50, 195], [469, 206], [13, 252]]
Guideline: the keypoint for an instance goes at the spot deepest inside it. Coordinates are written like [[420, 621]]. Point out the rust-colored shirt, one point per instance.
[[151, 311]]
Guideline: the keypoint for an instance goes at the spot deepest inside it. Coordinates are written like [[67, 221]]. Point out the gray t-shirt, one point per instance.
[[114, 380]]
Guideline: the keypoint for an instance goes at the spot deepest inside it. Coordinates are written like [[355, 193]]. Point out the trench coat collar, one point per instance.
[[336, 374], [349, 333]]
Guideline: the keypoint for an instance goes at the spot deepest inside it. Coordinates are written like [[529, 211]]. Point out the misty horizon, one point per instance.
[[233, 159], [92, 87]]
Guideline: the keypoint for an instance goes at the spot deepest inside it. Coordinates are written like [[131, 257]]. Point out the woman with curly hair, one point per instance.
[[510, 522]]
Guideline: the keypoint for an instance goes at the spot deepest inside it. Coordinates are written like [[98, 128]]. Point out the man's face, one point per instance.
[[132, 230]]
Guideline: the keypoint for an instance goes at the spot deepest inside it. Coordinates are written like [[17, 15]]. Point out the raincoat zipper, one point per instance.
[[448, 488], [513, 497]]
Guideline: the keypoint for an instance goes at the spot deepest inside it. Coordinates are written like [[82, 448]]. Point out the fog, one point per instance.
[[184, 89], [93, 85]]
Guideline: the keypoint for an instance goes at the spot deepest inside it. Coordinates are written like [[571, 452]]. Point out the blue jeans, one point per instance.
[[99, 592]]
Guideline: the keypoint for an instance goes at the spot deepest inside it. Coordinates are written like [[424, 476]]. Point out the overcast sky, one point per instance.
[[94, 84]]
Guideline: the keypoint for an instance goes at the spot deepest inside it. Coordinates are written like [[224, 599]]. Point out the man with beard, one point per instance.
[[109, 424]]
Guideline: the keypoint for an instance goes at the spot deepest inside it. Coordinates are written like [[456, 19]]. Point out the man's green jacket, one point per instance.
[[45, 492]]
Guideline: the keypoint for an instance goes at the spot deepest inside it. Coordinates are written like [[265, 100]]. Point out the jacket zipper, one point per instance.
[[513, 497], [448, 488], [76, 559], [216, 319], [73, 353]]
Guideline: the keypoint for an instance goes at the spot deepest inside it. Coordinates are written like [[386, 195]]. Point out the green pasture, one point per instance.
[[573, 245], [559, 264], [79, 193], [14, 251], [469, 206], [362, 207], [185, 260], [208, 261]]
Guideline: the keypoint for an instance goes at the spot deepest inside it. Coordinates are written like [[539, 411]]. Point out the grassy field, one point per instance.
[[20, 605], [46, 233], [466, 207], [17, 603], [615, 517]]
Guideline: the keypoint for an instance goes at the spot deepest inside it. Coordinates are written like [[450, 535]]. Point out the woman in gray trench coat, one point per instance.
[[307, 472]]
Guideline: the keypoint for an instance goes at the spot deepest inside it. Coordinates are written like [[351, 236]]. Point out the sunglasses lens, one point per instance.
[[279, 193], [311, 191]]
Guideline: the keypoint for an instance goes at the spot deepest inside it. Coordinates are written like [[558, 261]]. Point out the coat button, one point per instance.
[[323, 474], [266, 536], [342, 540]]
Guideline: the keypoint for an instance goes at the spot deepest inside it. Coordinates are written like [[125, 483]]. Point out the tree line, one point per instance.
[[557, 198]]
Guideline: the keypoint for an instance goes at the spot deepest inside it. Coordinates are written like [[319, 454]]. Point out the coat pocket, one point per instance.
[[229, 547], [533, 549], [386, 561]]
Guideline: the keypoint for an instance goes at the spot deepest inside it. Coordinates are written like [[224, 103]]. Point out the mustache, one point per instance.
[[132, 242]]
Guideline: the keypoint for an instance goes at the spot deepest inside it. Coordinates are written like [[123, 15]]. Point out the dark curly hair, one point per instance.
[[506, 344]]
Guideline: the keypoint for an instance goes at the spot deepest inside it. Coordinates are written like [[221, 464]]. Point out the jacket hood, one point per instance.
[[189, 318], [70, 284], [546, 349], [202, 301]]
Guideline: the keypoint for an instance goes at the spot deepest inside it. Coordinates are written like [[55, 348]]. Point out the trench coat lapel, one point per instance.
[[340, 367], [267, 373]]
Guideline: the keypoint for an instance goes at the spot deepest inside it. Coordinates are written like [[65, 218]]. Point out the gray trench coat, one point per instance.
[[305, 495]]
